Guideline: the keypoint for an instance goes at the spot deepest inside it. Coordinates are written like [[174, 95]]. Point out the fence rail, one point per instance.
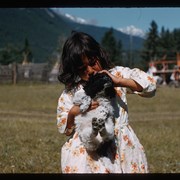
[[15, 73]]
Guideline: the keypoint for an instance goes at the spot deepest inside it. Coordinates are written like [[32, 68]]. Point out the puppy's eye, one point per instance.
[[108, 84]]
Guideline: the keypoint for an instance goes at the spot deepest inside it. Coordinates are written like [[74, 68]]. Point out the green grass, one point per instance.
[[31, 143], [156, 122]]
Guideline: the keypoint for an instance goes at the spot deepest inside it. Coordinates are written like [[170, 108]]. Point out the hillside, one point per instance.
[[42, 27]]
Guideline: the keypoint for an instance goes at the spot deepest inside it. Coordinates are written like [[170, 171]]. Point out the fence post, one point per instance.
[[14, 74]]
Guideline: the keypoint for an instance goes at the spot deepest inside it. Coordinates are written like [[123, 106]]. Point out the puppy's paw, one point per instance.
[[98, 124], [95, 126], [101, 125]]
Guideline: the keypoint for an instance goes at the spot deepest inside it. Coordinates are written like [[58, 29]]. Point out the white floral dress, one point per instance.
[[125, 154]]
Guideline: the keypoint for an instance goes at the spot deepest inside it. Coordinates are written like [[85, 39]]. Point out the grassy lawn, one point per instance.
[[30, 142]]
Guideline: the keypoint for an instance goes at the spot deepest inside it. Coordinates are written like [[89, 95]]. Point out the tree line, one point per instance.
[[158, 45], [12, 53], [163, 44]]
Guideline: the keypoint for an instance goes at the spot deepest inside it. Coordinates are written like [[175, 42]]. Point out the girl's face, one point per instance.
[[90, 66]]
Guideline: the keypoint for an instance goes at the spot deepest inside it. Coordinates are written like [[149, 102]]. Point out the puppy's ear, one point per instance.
[[109, 87], [78, 96], [93, 86]]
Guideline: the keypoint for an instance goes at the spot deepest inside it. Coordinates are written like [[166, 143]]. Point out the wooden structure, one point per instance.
[[166, 67], [24, 72]]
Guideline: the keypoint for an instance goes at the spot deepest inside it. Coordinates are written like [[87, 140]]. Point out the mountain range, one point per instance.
[[43, 28], [130, 30]]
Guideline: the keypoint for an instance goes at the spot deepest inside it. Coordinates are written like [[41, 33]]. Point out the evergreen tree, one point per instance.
[[12, 53], [151, 44], [176, 38], [113, 47], [158, 46], [26, 51], [167, 44], [9, 54]]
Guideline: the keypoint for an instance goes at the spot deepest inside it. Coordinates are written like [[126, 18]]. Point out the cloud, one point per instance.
[[75, 18], [81, 20], [93, 22], [133, 31]]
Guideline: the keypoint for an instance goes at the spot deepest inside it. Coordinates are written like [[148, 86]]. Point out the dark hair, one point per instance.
[[76, 46]]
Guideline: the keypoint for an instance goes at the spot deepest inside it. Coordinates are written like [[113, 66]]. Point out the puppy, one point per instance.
[[95, 127]]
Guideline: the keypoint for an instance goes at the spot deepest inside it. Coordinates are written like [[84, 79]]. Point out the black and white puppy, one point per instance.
[[96, 126]]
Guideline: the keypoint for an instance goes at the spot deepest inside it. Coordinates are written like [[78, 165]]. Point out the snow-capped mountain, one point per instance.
[[91, 27], [130, 30], [71, 17], [76, 19]]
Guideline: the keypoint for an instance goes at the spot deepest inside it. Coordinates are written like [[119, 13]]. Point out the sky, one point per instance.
[[123, 18]]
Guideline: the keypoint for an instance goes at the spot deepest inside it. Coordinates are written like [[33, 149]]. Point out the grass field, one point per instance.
[[30, 142]]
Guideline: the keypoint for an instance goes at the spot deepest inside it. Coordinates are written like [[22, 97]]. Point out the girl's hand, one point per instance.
[[94, 105], [116, 80], [74, 111], [123, 82]]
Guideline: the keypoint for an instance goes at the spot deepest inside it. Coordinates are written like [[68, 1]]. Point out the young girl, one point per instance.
[[82, 56]]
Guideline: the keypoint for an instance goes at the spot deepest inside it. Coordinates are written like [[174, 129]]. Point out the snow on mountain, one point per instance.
[[76, 19], [133, 31], [71, 17]]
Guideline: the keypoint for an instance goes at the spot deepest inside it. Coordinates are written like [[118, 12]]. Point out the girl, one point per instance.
[[82, 56]]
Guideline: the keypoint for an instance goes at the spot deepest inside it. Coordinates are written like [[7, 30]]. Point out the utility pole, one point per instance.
[[131, 46]]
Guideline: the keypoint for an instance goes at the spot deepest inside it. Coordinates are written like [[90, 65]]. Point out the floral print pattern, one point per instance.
[[125, 154]]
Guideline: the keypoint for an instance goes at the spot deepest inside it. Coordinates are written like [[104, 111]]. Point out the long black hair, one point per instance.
[[79, 44]]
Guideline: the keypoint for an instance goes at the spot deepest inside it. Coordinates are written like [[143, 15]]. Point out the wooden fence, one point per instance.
[[15, 73]]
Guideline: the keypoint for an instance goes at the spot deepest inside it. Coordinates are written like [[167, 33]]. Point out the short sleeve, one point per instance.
[[65, 103], [147, 82]]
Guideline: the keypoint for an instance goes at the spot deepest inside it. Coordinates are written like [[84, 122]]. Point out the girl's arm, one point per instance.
[[73, 112], [64, 105], [124, 82], [135, 80]]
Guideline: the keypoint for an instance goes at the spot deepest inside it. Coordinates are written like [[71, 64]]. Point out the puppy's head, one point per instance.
[[100, 84]]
